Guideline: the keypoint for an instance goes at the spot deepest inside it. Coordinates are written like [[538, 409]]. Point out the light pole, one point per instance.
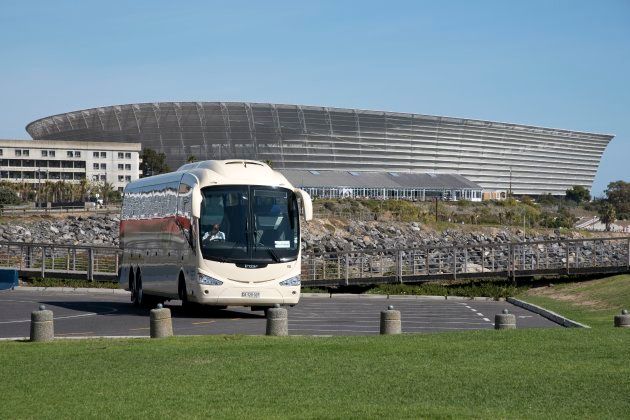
[[39, 186]]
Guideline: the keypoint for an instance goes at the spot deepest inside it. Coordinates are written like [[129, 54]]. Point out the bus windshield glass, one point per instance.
[[249, 224]]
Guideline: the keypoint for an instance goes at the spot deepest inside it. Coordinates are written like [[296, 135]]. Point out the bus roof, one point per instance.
[[220, 172]]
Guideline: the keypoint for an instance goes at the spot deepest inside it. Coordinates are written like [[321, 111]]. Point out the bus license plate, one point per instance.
[[253, 295]]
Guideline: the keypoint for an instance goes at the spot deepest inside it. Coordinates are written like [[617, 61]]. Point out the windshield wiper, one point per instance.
[[273, 255]]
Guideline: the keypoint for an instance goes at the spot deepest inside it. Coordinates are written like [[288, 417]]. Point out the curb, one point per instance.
[[103, 291], [395, 297], [95, 290], [550, 315]]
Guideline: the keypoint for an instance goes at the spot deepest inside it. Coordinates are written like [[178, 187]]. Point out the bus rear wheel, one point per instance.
[[137, 294]]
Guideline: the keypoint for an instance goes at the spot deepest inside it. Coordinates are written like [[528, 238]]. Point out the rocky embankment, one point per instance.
[[69, 230], [321, 235], [329, 235]]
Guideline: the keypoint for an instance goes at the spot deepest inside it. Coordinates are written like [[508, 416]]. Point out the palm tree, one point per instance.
[[83, 188], [105, 190], [607, 215]]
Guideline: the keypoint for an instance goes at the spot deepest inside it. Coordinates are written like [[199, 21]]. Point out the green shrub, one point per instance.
[[8, 197], [495, 289]]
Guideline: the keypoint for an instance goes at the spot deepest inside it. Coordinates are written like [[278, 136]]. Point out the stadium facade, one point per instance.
[[497, 156]]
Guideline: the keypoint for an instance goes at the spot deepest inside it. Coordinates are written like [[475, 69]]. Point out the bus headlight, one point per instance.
[[292, 281], [209, 281]]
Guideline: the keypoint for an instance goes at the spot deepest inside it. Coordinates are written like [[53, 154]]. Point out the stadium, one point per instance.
[[496, 156]]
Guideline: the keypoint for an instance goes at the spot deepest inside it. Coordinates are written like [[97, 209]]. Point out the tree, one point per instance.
[[269, 163], [607, 215], [106, 191], [153, 163], [8, 197], [578, 194], [618, 195], [191, 159]]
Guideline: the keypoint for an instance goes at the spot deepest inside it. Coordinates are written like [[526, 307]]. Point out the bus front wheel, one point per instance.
[[181, 291]]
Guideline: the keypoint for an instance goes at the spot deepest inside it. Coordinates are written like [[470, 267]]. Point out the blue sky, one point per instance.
[[563, 64]]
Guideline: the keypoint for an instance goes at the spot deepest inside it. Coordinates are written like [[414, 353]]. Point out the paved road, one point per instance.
[[80, 314]]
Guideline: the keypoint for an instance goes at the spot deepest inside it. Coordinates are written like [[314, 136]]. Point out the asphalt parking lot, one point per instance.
[[81, 314]]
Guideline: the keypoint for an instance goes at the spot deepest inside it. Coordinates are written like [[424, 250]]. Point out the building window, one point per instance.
[[128, 178], [94, 177], [103, 178], [69, 153], [127, 155], [95, 166], [120, 166], [128, 167], [44, 153], [51, 153], [121, 155], [77, 153], [25, 152], [0, 152], [18, 153], [95, 154], [103, 154], [121, 178], [103, 166]]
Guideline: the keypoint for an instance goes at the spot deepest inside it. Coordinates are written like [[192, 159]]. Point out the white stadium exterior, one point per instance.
[[531, 160]]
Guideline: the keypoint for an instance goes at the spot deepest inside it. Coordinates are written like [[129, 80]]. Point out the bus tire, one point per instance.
[[138, 296], [132, 285], [182, 292]]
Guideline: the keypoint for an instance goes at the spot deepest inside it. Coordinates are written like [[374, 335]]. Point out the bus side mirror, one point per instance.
[[196, 202], [307, 204]]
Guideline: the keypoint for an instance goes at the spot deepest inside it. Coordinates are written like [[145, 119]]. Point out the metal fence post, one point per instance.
[[466, 260], [29, 257], [400, 266], [510, 261], [454, 262], [90, 264], [347, 268], [338, 267], [567, 256], [43, 262], [628, 265]]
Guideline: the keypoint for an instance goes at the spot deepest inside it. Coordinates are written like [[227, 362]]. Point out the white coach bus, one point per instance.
[[216, 233]]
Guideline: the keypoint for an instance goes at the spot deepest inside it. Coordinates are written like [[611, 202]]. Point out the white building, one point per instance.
[[35, 161]]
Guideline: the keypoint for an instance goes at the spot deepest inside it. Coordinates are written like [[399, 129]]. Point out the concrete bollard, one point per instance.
[[505, 321], [161, 324], [623, 320], [42, 325], [390, 321], [277, 321]]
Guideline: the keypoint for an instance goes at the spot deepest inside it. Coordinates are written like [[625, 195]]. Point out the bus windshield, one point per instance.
[[249, 224]]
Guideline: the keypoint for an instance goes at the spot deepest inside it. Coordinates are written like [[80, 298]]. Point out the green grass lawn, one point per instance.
[[523, 373], [535, 373], [592, 302]]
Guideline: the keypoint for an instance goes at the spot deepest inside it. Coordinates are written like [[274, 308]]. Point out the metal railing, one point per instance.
[[511, 260], [51, 260], [508, 260], [54, 210]]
